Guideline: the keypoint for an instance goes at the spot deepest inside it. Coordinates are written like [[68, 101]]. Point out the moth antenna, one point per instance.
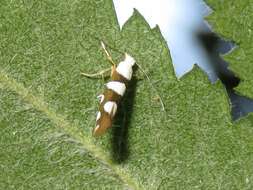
[[108, 55], [151, 84]]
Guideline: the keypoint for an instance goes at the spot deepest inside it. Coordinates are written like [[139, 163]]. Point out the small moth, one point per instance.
[[115, 89], [121, 74]]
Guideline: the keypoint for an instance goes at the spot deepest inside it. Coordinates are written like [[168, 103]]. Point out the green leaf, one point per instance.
[[47, 109], [233, 20]]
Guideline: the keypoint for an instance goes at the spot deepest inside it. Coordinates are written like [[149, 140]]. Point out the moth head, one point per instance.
[[129, 59]]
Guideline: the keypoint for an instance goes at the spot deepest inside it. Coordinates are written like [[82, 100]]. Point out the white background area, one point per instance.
[[178, 20]]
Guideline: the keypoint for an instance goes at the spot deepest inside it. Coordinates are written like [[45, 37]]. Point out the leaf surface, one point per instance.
[[47, 109]]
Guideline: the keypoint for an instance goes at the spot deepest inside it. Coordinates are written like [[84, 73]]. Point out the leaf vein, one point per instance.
[[70, 129]]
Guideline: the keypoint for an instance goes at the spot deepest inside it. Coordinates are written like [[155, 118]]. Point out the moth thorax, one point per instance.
[[124, 68]]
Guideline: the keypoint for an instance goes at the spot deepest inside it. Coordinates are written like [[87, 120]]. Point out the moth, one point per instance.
[[115, 89], [109, 100]]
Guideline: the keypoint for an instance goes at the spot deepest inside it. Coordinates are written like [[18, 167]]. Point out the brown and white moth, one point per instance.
[[121, 74], [114, 91]]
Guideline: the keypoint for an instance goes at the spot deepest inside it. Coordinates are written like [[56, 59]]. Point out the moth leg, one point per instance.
[[106, 72], [101, 74]]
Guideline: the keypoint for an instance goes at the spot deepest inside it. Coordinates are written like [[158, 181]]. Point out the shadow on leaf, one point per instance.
[[119, 139], [215, 47]]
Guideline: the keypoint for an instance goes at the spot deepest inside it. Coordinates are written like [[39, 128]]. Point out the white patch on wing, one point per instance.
[[117, 87], [110, 107], [96, 128], [98, 116], [101, 97]]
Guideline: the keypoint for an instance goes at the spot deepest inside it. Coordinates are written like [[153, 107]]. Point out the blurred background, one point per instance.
[[191, 40]]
